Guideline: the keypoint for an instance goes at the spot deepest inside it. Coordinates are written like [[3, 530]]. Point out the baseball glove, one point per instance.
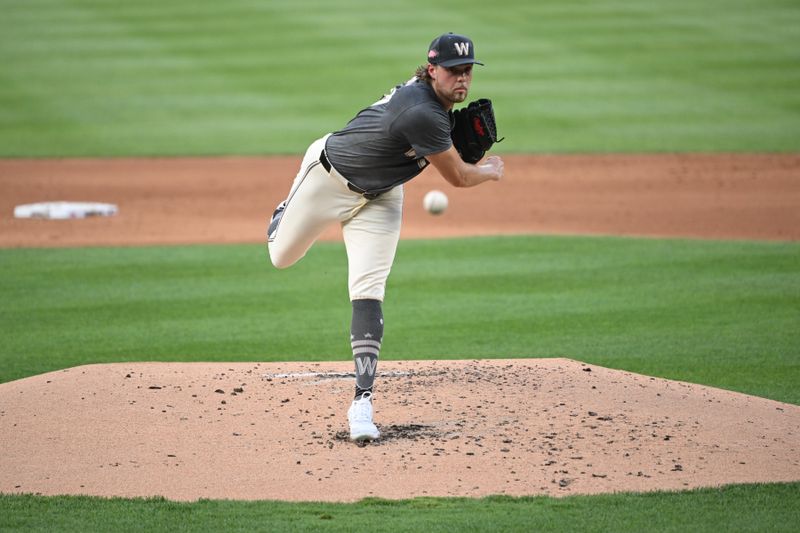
[[475, 130]]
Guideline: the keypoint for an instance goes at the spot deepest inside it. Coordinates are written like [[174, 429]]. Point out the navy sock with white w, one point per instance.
[[366, 335]]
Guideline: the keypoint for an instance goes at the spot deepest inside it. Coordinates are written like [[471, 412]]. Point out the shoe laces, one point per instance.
[[363, 408]]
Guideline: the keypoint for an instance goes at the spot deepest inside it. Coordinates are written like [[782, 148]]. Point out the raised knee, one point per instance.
[[278, 260], [281, 257]]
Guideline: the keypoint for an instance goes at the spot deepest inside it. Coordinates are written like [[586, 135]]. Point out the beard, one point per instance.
[[459, 96], [453, 96]]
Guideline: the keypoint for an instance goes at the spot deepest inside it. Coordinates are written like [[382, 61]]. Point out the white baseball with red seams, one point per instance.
[[435, 202]]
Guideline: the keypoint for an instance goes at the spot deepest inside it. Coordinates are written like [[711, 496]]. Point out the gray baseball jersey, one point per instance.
[[385, 144], [380, 149]]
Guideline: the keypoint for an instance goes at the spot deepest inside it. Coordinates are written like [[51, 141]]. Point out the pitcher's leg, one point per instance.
[[314, 202], [371, 242], [366, 335]]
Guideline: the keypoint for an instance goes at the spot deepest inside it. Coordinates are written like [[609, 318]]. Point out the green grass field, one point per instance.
[[95, 77], [774, 508], [718, 313], [103, 78]]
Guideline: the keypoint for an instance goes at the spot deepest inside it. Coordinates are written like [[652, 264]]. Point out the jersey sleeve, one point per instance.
[[426, 129]]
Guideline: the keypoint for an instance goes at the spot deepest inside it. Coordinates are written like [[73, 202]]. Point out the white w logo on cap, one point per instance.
[[462, 48]]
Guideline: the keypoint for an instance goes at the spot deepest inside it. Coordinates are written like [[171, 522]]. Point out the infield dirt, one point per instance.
[[454, 428], [183, 201]]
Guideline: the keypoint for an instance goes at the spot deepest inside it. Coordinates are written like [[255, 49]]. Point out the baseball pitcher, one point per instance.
[[355, 177]]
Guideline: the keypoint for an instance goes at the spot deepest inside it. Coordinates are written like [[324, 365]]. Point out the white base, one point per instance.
[[64, 210]]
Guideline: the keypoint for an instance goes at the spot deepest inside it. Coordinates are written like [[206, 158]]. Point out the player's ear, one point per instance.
[[431, 70]]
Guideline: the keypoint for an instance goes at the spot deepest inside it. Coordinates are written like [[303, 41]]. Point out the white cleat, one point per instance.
[[360, 417]]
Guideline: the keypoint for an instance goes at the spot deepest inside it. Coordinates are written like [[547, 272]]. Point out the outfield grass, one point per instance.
[[772, 507], [100, 78], [717, 313]]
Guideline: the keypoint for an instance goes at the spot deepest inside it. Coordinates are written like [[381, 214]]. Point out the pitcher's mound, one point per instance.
[[449, 428]]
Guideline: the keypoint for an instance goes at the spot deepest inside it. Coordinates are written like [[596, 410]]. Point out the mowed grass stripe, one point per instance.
[[631, 62], [223, 64], [148, 78], [769, 507]]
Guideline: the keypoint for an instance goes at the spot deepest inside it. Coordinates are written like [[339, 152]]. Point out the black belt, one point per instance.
[[327, 164]]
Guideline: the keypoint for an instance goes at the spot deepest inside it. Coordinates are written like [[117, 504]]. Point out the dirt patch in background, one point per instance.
[[226, 200], [450, 428]]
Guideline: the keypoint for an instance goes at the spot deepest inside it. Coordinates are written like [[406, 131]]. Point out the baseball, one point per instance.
[[435, 202]]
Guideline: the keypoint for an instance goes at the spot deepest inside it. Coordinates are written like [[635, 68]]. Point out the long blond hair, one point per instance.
[[422, 73]]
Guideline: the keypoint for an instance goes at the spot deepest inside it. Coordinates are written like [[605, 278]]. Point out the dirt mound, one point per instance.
[[450, 428]]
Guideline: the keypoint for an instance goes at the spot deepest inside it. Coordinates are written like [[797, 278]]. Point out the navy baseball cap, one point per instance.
[[449, 50]]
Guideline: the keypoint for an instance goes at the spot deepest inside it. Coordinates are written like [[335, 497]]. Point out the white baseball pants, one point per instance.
[[371, 228]]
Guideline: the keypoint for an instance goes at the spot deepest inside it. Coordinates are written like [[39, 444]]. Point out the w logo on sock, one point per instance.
[[366, 365]]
